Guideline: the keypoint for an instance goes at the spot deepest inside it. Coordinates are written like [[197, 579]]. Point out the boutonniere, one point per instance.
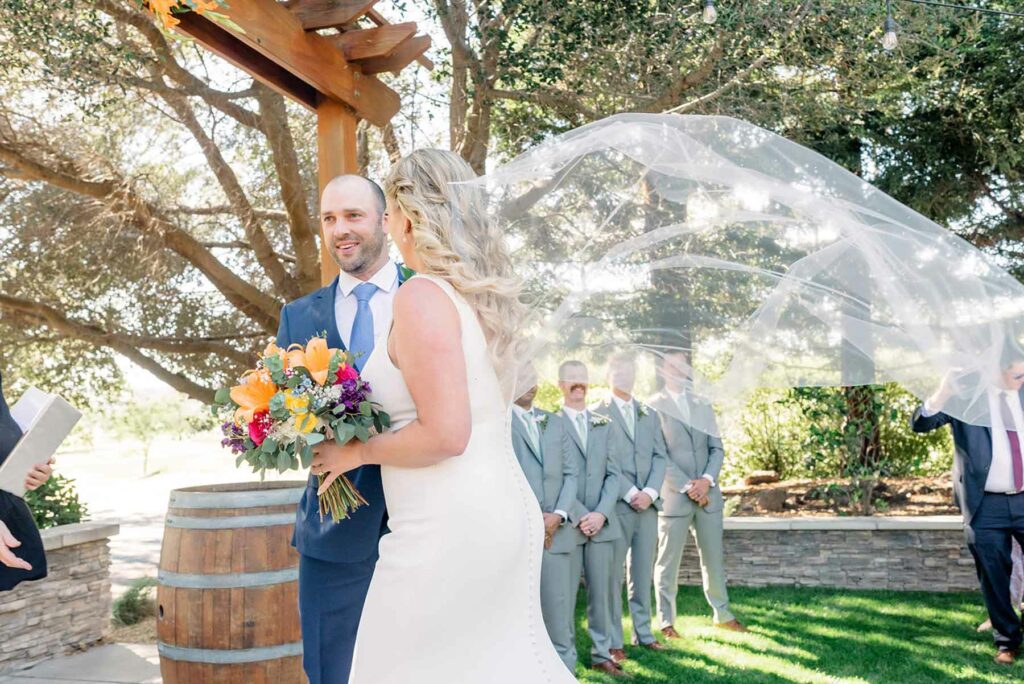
[[542, 421], [598, 421], [642, 410], [406, 272]]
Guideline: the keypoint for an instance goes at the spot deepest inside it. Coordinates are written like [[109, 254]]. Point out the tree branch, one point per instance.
[[303, 230]]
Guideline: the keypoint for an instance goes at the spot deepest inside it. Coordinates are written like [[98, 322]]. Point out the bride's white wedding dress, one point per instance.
[[455, 597]]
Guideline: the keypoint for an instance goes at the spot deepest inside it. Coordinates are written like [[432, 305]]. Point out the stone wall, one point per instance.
[[69, 610], [901, 554]]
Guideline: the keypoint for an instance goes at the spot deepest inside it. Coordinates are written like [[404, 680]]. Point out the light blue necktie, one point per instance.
[[361, 340]]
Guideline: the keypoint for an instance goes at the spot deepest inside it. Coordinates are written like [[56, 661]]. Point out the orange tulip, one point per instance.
[[315, 358], [254, 394]]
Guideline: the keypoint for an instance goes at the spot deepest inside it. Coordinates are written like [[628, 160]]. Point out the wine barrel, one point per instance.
[[227, 589]]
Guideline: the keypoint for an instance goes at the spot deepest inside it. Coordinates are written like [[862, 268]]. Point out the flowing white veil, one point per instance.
[[676, 237]]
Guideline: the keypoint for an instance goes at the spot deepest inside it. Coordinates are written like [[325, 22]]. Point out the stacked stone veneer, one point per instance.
[[69, 610], [901, 554]]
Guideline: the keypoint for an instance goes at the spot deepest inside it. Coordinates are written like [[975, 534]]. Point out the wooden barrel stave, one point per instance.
[[228, 592]]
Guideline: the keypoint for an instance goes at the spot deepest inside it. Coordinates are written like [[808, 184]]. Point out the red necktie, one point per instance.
[[1015, 456]]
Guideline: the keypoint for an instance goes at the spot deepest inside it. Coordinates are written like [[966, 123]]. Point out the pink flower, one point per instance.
[[259, 428], [346, 372]]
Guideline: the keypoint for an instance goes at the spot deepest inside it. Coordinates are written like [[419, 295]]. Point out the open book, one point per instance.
[[46, 420]]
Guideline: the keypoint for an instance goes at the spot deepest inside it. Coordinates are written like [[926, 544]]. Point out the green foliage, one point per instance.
[[56, 503], [146, 420], [136, 604], [806, 433]]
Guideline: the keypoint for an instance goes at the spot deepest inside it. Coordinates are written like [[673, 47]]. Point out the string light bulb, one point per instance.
[[889, 39], [710, 14]]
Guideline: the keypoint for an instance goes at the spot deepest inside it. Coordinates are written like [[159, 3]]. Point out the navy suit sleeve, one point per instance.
[[284, 337], [922, 423]]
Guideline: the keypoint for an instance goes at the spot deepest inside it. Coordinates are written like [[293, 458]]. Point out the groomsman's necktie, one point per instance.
[[581, 427], [361, 340], [531, 429], [1011, 431], [627, 414]]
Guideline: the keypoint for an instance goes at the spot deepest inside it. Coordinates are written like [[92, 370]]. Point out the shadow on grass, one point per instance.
[[817, 635]]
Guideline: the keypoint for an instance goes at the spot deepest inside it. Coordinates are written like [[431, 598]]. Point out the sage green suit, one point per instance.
[[642, 461], [692, 454], [551, 469]]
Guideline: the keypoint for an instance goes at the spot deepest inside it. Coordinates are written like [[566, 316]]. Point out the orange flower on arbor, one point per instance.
[[165, 9], [254, 394], [315, 358]]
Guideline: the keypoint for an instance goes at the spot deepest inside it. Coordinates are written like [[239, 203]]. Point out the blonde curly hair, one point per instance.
[[456, 241]]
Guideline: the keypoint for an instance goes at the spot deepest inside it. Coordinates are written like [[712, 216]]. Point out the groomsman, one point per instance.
[[638, 446], [691, 498], [542, 446], [337, 559], [594, 509], [988, 481]]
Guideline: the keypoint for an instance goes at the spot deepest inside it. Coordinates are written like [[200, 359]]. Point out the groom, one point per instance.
[[336, 559]]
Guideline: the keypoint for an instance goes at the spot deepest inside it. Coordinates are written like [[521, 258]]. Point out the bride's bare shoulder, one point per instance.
[[423, 301]]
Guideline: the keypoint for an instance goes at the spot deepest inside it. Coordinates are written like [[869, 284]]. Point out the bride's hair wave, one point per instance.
[[456, 240]]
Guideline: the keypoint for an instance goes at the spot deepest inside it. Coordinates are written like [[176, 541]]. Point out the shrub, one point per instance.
[[56, 503], [136, 604]]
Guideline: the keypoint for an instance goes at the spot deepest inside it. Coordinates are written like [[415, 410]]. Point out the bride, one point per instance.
[[456, 592]]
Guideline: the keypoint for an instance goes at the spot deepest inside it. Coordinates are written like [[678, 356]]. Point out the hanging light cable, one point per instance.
[[967, 8], [889, 40]]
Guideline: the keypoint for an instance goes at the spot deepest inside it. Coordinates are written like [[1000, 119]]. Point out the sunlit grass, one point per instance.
[[814, 635]]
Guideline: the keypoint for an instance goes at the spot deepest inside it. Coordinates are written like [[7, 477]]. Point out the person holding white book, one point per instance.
[[21, 549]]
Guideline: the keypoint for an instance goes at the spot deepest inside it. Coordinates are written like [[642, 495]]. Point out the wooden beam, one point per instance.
[[402, 56], [378, 19], [375, 42], [336, 151], [318, 14], [269, 28], [225, 44]]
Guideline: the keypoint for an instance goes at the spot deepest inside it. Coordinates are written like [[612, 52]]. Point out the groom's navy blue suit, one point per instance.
[[336, 559], [989, 519]]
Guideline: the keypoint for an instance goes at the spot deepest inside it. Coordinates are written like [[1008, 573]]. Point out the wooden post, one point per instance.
[[336, 151]]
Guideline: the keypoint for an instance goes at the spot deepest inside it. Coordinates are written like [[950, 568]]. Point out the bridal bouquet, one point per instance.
[[293, 400]]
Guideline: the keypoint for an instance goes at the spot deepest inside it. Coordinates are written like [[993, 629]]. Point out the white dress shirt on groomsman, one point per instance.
[[637, 444], [594, 508], [691, 498], [542, 445]]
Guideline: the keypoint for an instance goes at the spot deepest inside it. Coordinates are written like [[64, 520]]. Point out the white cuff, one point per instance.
[[651, 493], [565, 516], [709, 479], [628, 498], [926, 409]]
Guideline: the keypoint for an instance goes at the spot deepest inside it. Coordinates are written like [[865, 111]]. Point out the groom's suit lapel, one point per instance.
[[324, 318]]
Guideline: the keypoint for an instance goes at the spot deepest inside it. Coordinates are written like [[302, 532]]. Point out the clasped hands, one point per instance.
[[698, 490], [641, 501]]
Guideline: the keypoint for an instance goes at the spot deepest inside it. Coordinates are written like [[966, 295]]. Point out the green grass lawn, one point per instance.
[[815, 635]]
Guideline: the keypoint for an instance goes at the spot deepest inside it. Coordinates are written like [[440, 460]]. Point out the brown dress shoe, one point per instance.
[[670, 633], [732, 626], [611, 669], [1006, 657], [618, 654], [654, 646]]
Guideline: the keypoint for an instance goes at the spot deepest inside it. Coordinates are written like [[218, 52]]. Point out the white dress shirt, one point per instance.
[[683, 404], [1000, 473], [345, 303], [628, 408]]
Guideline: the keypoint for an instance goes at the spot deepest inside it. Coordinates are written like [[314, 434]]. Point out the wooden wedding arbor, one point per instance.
[[316, 53]]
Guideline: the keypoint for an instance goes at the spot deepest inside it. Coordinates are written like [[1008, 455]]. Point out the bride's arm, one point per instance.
[[427, 338]]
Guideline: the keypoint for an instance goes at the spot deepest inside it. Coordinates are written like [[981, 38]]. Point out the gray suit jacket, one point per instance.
[[691, 454], [598, 476], [642, 460], [551, 473]]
